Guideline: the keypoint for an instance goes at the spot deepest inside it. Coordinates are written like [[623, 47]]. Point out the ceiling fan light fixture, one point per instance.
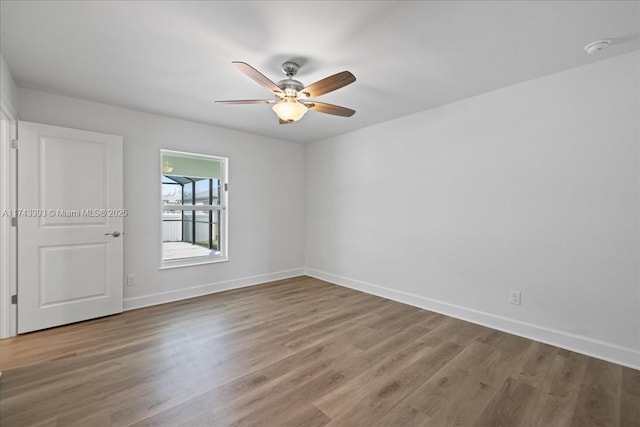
[[290, 110]]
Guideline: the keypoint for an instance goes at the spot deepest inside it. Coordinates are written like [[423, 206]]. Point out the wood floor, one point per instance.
[[302, 352]]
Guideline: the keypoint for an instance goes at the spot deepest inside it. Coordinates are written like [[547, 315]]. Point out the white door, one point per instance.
[[70, 220]]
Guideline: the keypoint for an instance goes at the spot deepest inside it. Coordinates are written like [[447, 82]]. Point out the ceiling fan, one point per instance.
[[292, 97]]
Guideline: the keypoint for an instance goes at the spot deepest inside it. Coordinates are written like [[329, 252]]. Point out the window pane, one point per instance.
[[215, 231], [179, 229], [215, 192], [187, 191], [192, 181], [187, 226], [202, 228], [171, 193], [202, 192], [191, 165]]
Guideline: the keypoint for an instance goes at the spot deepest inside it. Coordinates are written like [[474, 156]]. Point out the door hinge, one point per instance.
[[14, 144], [14, 221], [14, 299], [226, 188]]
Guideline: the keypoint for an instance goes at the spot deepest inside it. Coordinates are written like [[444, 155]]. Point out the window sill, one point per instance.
[[166, 265]]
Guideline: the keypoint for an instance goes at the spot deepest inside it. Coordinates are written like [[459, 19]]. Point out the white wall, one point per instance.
[[8, 89], [533, 187], [266, 196]]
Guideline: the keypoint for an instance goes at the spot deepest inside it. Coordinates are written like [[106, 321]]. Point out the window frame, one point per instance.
[[223, 208]]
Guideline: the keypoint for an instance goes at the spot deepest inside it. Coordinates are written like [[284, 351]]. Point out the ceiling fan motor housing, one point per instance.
[[290, 86]]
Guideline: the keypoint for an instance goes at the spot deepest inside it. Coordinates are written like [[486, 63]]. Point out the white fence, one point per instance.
[[172, 227], [171, 230]]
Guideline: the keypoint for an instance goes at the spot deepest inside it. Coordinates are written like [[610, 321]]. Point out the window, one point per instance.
[[194, 208]]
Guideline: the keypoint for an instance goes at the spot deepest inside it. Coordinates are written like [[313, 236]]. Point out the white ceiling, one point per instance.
[[174, 58]]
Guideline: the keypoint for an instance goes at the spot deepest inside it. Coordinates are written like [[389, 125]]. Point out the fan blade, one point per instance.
[[329, 84], [246, 101], [336, 110], [257, 76], [284, 122]]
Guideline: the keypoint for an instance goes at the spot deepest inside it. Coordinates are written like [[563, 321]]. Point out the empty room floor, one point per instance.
[[302, 352]]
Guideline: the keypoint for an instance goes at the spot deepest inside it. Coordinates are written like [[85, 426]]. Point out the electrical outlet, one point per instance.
[[131, 280], [515, 297]]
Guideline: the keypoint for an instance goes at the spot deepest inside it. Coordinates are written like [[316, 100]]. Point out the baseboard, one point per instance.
[[579, 344], [210, 288]]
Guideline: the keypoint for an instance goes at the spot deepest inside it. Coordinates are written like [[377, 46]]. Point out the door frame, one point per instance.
[[8, 234]]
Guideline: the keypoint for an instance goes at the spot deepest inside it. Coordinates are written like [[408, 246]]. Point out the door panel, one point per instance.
[[64, 281], [69, 201], [82, 179]]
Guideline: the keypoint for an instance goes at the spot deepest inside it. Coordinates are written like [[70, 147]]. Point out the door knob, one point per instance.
[[114, 234]]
